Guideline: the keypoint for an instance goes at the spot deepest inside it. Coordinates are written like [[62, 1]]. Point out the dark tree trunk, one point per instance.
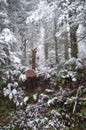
[[24, 52], [34, 58], [73, 41], [66, 46], [46, 51], [55, 39], [33, 62]]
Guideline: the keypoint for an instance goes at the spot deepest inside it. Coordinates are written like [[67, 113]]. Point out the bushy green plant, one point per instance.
[[2, 84]]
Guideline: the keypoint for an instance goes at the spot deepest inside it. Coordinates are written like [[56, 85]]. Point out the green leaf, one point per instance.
[[35, 96]]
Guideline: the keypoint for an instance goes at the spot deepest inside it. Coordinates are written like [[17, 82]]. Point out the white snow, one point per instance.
[[51, 101], [9, 86], [17, 103], [7, 36], [22, 77], [40, 48], [15, 84], [6, 91], [74, 79], [25, 99], [3, 13], [5, 1], [82, 43], [15, 59], [14, 91], [56, 113], [10, 95], [43, 9], [49, 90]]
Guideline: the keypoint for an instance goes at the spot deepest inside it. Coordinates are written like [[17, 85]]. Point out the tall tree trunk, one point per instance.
[[46, 51], [66, 46], [34, 58], [24, 52], [73, 41], [55, 39]]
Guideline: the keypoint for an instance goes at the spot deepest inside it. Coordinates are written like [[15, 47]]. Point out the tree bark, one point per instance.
[[34, 58], [56, 43], [66, 46], [73, 41], [46, 51]]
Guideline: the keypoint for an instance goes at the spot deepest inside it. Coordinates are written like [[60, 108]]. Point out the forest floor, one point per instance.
[[52, 104]]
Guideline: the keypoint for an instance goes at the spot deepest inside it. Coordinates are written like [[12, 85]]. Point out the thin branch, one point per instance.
[[82, 99], [74, 108], [84, 37]]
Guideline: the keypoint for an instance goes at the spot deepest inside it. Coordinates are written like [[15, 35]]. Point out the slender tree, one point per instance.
[[55, 38], [72, 12], [73, 41], [66, 44], [34, 58]]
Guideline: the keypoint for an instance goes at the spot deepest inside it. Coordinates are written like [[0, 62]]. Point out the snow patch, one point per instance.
[[25, 99], [22, 77], [43, 10], [7, 36]]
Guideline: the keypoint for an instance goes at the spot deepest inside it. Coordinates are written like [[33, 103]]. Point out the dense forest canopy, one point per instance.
[[56, 28]]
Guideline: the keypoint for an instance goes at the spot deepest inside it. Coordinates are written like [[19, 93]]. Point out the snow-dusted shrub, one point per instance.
[[73, 63], [15, 93], [69, 68]]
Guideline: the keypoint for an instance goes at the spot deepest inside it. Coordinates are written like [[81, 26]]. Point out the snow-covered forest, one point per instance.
[[42, 64]]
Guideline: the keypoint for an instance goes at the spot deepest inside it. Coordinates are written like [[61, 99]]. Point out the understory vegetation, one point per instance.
[[56, 103]]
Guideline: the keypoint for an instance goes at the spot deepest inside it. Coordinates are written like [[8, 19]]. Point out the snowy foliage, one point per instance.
[[8, 42], [10, 49], [43, 10], [22, 77], [15, 93], [72, 11], [29, 24], [69, 68]]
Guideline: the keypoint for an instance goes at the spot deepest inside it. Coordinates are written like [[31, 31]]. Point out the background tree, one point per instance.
[[55, 38], [72, 12]]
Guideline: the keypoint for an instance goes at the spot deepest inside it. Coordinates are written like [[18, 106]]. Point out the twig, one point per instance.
[[74, 108], [82, 99]]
